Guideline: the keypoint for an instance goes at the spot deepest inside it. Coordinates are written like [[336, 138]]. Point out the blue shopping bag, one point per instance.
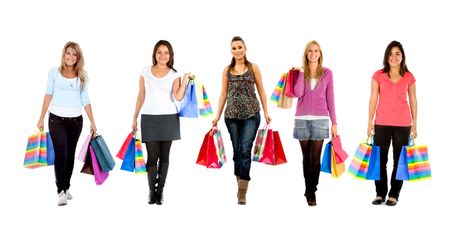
[[103, 154], [373, 170], [189, 106], [326, 159], [128, 160]]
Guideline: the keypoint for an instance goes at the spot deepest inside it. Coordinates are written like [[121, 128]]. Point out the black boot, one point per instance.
[[163, 168], [152, 172]]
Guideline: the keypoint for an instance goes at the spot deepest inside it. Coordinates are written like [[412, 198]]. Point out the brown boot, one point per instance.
[[243, 186]]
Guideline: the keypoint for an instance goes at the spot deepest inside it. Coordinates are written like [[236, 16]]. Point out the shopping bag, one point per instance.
[[402, 167], [278, 91], [373, 170], [212, 151], [278, 95], [139, 162], [418, 162], [279, 155], [128, 159], [367, 156], [263, 137], [325, 166], [336, 168], [414, 163], [99, 175], [36, 152], [290, 81], [220, 148], [268, 148], [124, 148], [189, 106], [84, 149], [87, 165], [104, 157], [50, 150], [341, 155], [205, 110]]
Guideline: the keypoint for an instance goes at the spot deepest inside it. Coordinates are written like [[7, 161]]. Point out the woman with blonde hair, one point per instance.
[[66, 95], [315, 107]]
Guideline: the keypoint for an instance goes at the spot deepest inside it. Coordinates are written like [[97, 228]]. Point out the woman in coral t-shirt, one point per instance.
[[395, 118]]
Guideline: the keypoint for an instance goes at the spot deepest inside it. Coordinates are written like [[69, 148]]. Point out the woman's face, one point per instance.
[[395, 57], [313, 54], [162, 55], [70, 57], [238, 50]]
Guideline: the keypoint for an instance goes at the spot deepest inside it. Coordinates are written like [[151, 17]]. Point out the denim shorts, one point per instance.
[[311, 129]]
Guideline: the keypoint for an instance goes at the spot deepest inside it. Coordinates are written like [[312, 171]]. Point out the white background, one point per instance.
[[117, 38]]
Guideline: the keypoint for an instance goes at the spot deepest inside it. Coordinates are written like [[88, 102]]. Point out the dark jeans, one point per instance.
[[65, 133], [382, 138], [157, 150], [242, 134]]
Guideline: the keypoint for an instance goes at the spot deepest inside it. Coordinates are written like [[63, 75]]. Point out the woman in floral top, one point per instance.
[[242, 112]]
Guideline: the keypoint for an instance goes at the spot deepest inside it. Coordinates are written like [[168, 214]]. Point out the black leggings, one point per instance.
[[157, 150], [311, 150], [382, 138], [65, 133]]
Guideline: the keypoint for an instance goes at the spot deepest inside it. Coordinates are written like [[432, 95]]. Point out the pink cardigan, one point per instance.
[[317, 102]]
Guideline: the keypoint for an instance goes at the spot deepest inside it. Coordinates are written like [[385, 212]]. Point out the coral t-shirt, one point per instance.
[[393, 107]]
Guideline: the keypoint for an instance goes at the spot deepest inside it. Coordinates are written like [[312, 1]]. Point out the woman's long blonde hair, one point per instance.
[[306, 70], [79, 66]]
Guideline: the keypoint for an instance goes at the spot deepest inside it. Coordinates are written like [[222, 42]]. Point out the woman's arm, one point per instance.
[[413, 107], [88, 109], [261, 92], [222, 97], [331, 104], [47, 99], [179, 90], [373, 101], [139, 102]]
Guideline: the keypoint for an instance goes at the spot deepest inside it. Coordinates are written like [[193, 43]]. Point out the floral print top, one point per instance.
[[241, 98]]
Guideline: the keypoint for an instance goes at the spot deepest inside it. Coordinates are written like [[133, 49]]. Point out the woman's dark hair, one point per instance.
[[248, 64], [387, 67], [169, 46]]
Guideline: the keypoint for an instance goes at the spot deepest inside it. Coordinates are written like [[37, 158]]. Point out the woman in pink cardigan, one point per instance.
[[315, 107]]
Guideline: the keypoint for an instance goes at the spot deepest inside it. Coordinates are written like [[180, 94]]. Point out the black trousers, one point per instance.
[[65, 133], [383, 137]]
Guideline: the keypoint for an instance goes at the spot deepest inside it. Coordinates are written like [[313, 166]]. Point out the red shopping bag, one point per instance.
[[124, 148], [291, 79], [212, 153], [279, 156], [268, 148]]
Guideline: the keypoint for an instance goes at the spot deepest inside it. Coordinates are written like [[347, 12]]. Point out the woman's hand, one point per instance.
[[93, 128], [414, 131], [268, 119], [370, 129], [40, 124], [214, 122], [334, 132], [134, 125]]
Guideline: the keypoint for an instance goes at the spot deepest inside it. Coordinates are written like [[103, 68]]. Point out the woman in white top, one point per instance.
[[66, 95], [159, 87]]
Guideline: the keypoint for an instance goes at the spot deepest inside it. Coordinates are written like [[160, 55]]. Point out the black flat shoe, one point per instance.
[[378, 200], [391, 201]]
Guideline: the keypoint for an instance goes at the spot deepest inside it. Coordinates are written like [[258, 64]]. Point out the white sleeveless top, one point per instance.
[[158, 93]]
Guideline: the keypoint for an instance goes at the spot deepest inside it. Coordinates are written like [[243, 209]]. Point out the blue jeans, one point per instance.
[[242, 134]]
